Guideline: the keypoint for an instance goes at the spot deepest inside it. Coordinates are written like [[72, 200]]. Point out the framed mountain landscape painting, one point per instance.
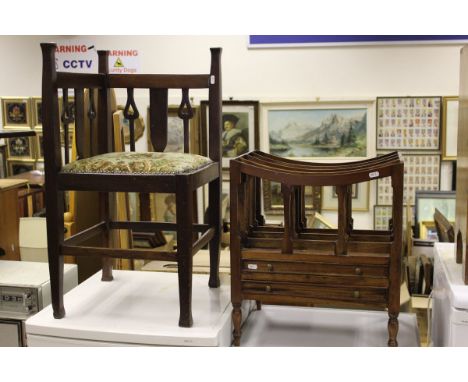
[[318, 130]]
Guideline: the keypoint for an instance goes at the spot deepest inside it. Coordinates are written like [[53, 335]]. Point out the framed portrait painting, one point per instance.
[[16, 113], [318, 130], [240, 128]]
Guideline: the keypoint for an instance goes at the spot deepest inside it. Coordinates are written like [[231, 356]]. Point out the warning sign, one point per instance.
[[76, 56], [119, 63], [124, 61]]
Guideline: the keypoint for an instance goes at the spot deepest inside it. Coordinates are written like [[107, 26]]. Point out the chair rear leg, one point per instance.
[[214, 216], [184, 216]]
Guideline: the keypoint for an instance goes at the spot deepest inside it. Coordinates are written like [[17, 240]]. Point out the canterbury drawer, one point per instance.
[[316, 279], [350, 294], [317, 268]]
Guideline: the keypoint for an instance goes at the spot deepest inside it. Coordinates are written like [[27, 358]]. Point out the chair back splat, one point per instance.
[[100, 169]]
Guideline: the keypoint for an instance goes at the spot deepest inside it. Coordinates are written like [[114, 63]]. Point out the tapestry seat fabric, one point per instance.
[[138, 163]]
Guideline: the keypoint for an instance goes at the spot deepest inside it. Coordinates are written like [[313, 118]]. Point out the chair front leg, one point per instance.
[[214, 216], [184, 213]]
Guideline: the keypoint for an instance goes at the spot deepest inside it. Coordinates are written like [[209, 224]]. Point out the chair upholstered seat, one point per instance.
[[153, 163]]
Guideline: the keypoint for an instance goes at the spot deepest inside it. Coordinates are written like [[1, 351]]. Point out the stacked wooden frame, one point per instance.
[[291, 264]]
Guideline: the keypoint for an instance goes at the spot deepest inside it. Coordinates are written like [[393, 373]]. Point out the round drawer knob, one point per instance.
[[356, 294], [270, 267], [268, 288], [358, 271]]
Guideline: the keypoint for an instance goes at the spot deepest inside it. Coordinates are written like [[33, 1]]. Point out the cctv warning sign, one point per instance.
[[76, 57], [124, 61]]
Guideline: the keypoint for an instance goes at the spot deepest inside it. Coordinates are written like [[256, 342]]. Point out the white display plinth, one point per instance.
[[136, 308], [297, 326]]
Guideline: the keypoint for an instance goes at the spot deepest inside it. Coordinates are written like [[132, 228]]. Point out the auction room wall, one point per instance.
[[267, 75]]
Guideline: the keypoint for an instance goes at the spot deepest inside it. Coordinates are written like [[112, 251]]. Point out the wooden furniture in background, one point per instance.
[[152, 172], [31, 196], [444, 228], [9, 218], [295, 265]]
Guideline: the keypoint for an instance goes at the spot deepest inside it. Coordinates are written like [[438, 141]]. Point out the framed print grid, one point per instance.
[[383, 214], [421, 173], [408, 123]]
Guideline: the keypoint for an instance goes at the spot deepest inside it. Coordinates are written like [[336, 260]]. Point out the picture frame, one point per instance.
[[123, 124], [240, 128], [273, 199], [18, 166], [3, 161], [360, 197], [21, 147], [408, 123], [449, 127], [36, 113], [40, 145], [428, 201], [175, 132], [16, 113], [428, 230], [326, 130], [383, 214], [422, 172]]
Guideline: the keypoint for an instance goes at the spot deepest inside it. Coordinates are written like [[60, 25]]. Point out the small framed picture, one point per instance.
[[240, 128], [16, 113], [36, 106], [20, 148], [16, 167], [273, 198], [360, 197]]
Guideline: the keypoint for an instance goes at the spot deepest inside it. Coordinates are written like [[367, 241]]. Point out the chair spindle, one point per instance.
[[185, 112], [131, 115], [79, 123], [67, 118]]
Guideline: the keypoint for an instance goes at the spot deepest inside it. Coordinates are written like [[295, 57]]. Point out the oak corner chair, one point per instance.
[[107, 171]]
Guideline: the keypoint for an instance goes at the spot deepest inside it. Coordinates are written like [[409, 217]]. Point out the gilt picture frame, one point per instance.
[[16, 113], [21, 147], [449, 127], [19, 166], [36, 113]]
